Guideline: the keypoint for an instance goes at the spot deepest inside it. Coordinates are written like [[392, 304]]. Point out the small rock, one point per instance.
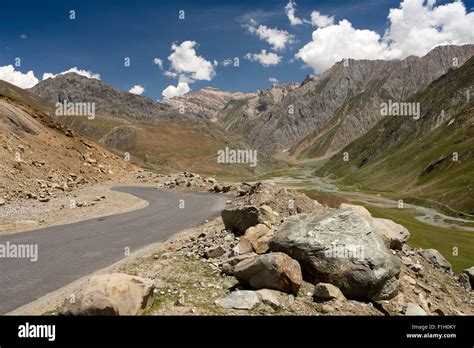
[[275, 271], [239, 219], [214, 252], [243, 299], [325, 308], [414, 309], [258, 236], [244, 246], [227, 266], [112, 294], [179, 302], [470, 273], [269, 297], [464, 280], [267, 212], [434, 256], [326, 291]]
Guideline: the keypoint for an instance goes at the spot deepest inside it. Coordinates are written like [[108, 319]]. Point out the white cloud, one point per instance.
[[17, 78], [277, 38], [137, 89], [23, 36], [273, 80], [185, 60], [335, 42], [172, 91], [265, 58], [321, 21], [85, 73], [158, 62], [185, 78], [170, 74], [414, 28], [290, 9]]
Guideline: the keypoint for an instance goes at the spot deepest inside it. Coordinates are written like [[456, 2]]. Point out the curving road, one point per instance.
[[69, 252]]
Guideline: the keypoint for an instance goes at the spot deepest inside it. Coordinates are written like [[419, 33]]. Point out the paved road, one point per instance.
[[69, 252]]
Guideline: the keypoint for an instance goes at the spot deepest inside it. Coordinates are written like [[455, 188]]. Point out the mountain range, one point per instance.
[[431, 158], [336, 112]]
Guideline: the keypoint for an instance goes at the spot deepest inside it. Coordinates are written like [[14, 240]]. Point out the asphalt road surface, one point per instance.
[[69, 252]]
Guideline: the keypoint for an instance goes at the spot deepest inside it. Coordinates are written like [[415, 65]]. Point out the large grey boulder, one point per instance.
[[393, 234], [111, 294], [343, 249], [239, 219], [275, 271], [438, 260]]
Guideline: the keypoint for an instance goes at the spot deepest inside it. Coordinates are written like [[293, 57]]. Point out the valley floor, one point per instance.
[[453, 237]]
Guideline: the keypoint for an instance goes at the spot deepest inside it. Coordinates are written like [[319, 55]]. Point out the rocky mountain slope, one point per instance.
[[431, 157], [108, 100], [238, 115], [156, 135], [326, 113], [40, 157], [206, 102]]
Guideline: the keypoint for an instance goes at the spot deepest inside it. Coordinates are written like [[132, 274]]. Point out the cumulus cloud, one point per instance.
[[17, 78], [321, 21], [159, 62], [277, 38], [172, 91], [414, 28], [273, 80], [265, 58], [185, 60], [335, 42], [290, 10], [85, 73], [137, 89]]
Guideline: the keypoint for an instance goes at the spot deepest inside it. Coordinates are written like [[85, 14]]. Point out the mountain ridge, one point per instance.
[[430, 158]]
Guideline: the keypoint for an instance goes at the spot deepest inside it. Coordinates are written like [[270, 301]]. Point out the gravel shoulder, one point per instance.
[[82, 204]]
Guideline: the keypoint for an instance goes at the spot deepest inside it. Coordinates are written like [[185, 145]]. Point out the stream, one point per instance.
[[304, 178]]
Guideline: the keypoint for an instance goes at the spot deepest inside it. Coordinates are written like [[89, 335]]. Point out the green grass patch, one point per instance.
[[428, 236]]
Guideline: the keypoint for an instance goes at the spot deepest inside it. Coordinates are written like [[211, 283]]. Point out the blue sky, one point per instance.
[[105, 32]]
